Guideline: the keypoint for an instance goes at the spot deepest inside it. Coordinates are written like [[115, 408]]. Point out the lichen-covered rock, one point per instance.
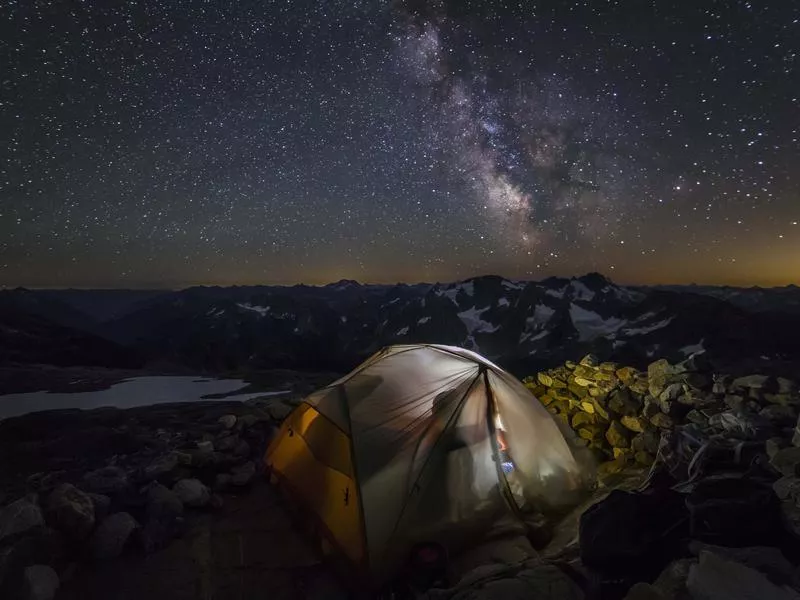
[[161, 466], [644, 458], [581, 418], [112, 535], [590, 360], [623, 402], [71, 511], [544, 379], [635, 424], [662, 421], [20, 516], [618, 436]]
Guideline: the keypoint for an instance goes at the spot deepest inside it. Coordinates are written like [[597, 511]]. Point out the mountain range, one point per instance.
[[522, 325]]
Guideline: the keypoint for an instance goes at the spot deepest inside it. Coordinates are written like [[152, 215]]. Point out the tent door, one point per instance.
[[500, 452]]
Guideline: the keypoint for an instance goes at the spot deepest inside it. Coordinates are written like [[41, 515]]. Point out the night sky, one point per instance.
[[173, 143]]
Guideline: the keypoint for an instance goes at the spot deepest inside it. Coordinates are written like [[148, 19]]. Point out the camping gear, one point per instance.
[[404, 450]]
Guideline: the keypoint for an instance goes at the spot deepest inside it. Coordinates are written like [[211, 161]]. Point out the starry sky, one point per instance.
[[173, 143]]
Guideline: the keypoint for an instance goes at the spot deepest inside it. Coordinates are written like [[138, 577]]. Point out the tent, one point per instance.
[[419, 443]]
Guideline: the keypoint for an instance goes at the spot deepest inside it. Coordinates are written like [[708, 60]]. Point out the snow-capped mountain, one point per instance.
[[522, 325]]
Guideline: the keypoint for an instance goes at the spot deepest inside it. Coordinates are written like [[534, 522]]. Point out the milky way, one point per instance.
[[178, 143]]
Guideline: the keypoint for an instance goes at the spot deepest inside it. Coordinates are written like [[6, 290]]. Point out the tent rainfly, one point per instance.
[[420, 443]]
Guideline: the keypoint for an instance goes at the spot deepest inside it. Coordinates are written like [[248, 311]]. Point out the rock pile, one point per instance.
[[138, 500], [620, 413]]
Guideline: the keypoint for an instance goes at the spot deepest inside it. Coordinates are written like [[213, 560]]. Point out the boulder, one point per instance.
[[696, 417], [162, 502], [787, 461], [246, 421], [582, 418], [205, 446], [618, 436], [715, 578], [779, 414], [626, 374], [768, 560], [112, 535], [227, 443], [756, 382], [544, 379], [227, 421], [788, 488], [41, 582], [590, 360], [671, 583], [192, 492], [20, 516], [644, 458], [101, 505], [162, 466], [108, 480], [222, 481], [39, 546], [671, 392], [243, 475], [644, 591], [648, 441], [71, 511]]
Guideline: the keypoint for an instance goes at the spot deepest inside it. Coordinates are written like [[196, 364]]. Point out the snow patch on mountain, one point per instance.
[[580, 291], [529, 337], [697, 348], [591, 325], [402, 331], [541, 315], [473, 322], [502, 302], [648, 328], [559, 293], [261, 310], [511, 285], [423, 320]]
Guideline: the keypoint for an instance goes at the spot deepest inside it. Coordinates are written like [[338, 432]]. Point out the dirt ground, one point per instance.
[[247, 550]]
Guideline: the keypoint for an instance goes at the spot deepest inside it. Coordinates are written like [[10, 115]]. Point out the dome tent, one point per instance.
[[418, 443]]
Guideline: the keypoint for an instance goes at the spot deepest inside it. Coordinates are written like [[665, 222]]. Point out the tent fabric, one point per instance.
[[404, 449]]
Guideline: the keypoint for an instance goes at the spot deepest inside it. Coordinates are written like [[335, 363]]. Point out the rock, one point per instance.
[[657, 374], [698, 381], [578, 386], [779, 414], [719, 388], [71, 511], [612, 467], [671, 583], [162, 466], [17, 517], [41, 582], [243, 474], [242, 449], [650, 408], [622, 402], [788, 488], [671, 392], [591, 432], [648, 441], [587, 406], [108, 480], [787, 461], [544, 379], [756, 382], [162, 502], [796, 434], [734, 401], [696, 417], [222, 481], [618, 436], [786, 386], [582, 418], [227, 443], [101, 505], [227, 421], [768, 560], [644, 591], [246, 421], [715, 578], [111, 536], [626, 374], [192, 492], [636, 424], [205, 446], [216, 502], [590, 360], [644, 458], [662, 421], [39, 546]]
